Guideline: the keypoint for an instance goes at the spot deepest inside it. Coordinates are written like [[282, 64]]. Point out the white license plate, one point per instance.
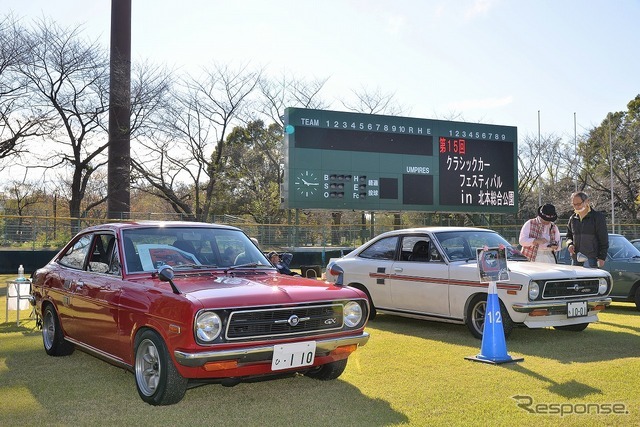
[[577, 309], [287, 356]]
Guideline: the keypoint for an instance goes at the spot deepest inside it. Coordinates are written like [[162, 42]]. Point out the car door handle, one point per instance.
[[398, 269]]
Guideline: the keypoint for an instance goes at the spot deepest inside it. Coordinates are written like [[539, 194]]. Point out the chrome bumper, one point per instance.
[[556, 307], [251, 354]]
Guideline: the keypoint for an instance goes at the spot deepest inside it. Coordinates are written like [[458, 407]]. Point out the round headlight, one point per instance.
[[602, 286], [208, 326], [352, 314], [534, 290]]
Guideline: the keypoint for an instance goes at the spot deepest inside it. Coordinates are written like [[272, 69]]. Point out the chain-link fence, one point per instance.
[[45, 232]]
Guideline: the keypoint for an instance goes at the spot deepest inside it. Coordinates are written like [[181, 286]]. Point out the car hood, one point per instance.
[[258, 289], [522, 271], [539, 270]]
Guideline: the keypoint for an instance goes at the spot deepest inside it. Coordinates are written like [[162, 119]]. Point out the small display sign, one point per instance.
[[492, 264]]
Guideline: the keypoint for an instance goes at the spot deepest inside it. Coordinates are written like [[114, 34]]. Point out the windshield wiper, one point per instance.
[[249, 265], [195, 266]]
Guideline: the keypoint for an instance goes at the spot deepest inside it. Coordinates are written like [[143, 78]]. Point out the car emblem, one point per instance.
[[331, 321], [575, 287], [293, 320]]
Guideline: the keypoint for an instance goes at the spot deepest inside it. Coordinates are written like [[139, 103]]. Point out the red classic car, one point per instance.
[[180, 302]]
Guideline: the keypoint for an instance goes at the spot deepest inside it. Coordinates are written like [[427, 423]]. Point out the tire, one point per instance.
[[475, 317], [52, 336], [328, 372], [637, 298], [579, 327], [157, 379]]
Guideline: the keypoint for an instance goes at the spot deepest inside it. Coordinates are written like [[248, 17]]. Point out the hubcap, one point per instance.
[[479, 312], [148, 367], [48, 329]]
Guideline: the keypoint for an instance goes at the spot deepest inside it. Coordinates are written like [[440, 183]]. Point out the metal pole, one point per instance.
[[539, 168], [613, 213], [575, 152]]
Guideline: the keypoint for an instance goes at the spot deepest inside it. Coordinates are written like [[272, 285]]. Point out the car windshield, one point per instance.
[[147, 249], [621, 248], [463, 244]]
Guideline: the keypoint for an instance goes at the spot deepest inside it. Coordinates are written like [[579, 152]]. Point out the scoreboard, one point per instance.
[[337, 160]]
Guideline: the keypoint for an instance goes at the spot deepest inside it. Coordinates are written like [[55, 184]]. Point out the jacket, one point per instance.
[[589, 236]]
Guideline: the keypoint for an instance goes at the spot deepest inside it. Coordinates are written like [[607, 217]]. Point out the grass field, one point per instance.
[[410, 373]]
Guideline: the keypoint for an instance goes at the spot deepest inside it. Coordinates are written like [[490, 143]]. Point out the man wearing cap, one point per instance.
[[587, 232], [539, 236]]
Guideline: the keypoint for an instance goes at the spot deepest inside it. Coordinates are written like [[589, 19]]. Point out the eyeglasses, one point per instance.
[[577, 205]]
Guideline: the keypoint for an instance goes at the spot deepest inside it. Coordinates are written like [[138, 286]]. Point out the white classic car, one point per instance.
[[432, 273]]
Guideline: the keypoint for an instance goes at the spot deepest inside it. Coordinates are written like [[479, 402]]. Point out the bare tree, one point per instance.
[[19, 120], [189, 144], [373, 102], [68, 79], [277, 95]]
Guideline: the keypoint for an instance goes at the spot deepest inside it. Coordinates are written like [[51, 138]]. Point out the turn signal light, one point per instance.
[[539, 312], [220, 366], [345, 349]]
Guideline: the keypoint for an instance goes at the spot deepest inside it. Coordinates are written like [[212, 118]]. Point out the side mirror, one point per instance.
[[165, 273]]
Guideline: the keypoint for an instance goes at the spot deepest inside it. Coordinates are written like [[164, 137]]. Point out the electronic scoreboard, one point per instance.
[[338, 160]]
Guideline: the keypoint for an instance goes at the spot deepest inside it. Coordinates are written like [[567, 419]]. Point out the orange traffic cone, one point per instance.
[[494, 347]]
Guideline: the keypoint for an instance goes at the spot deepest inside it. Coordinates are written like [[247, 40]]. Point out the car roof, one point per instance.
[[434, 229], [116, 226]]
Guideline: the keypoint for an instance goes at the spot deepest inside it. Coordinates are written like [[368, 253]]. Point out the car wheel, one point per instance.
[[475, 317], [52, 336], [637, 298], [573, 328], [327, 372], [157, 379]]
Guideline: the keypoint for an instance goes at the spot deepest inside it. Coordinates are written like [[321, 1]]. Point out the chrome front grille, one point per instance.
[[273, 322], [570, 288]]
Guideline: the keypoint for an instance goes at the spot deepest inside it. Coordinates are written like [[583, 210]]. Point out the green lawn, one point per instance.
[[410, 373]]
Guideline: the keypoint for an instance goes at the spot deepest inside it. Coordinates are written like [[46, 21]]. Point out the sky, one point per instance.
[[548, 66]]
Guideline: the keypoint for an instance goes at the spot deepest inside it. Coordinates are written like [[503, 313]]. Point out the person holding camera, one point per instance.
[[282, 262], [540, 237]]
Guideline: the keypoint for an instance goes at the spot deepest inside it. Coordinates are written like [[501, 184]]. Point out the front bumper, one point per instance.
[[253, 354], [557, 307]]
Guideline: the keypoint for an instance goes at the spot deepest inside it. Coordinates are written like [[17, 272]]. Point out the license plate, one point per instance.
[[287, 356], [577, 309]]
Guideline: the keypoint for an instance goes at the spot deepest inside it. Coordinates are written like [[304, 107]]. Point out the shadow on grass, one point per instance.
[[569, 390], [609, 339], [83, 390]]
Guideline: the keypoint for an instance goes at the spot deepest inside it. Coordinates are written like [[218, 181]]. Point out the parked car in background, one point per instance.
[[623, 262], [168, 302], [432, 273]]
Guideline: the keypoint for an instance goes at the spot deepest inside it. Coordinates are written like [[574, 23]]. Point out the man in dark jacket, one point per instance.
[[587, 232]]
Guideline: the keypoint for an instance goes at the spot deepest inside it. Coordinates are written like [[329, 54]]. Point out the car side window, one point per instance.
[[382, 249], [102, 253], [416, 248], [76, 255]]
